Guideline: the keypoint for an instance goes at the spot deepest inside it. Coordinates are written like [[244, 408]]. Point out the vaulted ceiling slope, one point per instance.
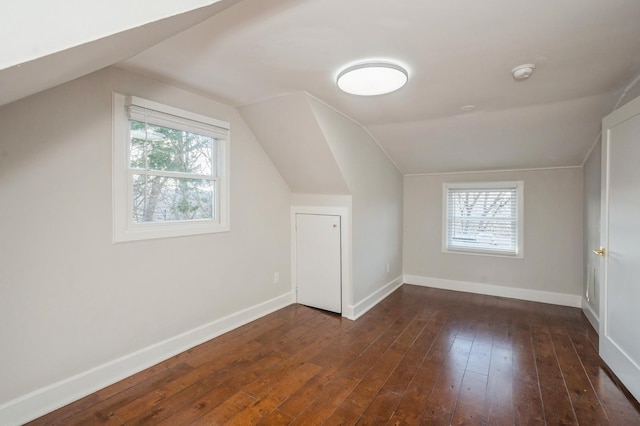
[[291, 136], [457, 53], [47, 43]]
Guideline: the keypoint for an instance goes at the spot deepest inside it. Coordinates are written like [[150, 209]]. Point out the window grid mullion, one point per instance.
[[165, 173]]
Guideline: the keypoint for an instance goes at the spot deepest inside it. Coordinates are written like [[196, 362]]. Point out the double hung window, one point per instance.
[[170, 171], [483, 218]]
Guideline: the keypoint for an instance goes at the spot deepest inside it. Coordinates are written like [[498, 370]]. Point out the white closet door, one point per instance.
[[620, 298], [318, 268]]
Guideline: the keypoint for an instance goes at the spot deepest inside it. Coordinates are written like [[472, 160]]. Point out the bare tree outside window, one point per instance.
[[484, 219], [163, 160], [171, 171]]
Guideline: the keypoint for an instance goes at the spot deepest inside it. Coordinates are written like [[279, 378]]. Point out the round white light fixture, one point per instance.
[[523, 72], [467, 108], [372, 78]]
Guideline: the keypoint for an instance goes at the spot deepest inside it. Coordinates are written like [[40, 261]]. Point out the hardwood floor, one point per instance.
[[422, 356]]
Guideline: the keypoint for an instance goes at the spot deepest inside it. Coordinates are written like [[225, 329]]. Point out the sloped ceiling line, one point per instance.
[[623, 95], [84, 52], [359, 124], [457, 53], [289, 132]]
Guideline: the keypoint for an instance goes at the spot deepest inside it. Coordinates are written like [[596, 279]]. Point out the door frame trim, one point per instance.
[[345, 250]]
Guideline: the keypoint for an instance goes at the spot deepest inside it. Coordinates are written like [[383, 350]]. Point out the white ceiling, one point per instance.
[[457, 53], [59, 52]]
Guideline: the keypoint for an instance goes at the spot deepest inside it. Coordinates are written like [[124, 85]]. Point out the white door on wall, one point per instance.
[[620, 274], [318, 261]]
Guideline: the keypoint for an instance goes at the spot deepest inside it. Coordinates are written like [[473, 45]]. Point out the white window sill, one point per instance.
[[482, 253]]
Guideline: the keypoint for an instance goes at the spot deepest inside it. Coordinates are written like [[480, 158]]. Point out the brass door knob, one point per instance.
[[599, 252]]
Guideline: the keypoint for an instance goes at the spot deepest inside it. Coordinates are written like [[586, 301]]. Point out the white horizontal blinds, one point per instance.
[[483, 219]]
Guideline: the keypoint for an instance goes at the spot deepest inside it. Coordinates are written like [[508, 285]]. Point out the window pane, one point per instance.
[[162, 198], [164, 149], [483, 219]]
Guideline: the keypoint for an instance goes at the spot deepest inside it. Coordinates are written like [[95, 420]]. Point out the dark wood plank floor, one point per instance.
[[422, 356]]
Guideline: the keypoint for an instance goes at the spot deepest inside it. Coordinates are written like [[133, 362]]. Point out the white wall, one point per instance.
[[329, 160], [62, 25], [61, 42], [311, 200], [633, 92], [376, 188], [291, 136], [70, 300], [552, 236], [592, 186]]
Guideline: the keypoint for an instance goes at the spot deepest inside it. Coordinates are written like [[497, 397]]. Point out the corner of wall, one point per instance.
[[357, 310], [593, 318], [497, 290], [47, 399]]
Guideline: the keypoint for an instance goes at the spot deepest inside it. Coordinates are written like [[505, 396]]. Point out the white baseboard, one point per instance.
[[563, 299], [591, 315], [356, 311], [52, 397]]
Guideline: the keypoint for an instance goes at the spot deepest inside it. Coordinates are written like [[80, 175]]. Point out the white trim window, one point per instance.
[[170, 171], [483, 218]]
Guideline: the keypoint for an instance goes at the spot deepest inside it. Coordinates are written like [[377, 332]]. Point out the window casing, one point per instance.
[[170, 171], [483, 218]]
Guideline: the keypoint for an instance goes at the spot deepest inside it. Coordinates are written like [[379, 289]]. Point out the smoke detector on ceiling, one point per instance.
[[523, 72]]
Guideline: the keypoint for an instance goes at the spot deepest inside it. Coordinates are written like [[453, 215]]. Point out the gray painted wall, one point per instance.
[[70, 300], [376, 188], [553, 254]]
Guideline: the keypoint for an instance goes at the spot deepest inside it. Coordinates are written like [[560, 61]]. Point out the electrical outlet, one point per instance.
[[388, 268], [276, 277]]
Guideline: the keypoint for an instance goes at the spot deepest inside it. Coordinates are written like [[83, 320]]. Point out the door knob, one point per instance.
[[599, 252]]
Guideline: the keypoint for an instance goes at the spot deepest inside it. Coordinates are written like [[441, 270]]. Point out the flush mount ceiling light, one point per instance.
[[523, 72], [372, 78]]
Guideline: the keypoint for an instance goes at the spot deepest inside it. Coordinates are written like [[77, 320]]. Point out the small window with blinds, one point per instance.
[[170, 171], [483, 218]]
